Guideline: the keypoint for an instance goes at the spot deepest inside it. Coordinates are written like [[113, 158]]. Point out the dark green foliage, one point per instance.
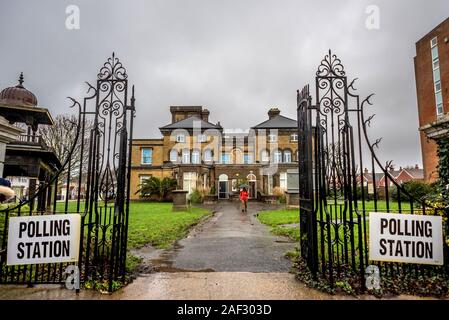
[[157, 187], [213, 191], [418, 190], [443, 167]]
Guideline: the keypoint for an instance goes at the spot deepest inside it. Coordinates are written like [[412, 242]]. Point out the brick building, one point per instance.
[[201, 154], [432, 84]]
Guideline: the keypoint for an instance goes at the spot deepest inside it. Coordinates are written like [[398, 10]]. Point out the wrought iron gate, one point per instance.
[[335, 193], [94, 180]]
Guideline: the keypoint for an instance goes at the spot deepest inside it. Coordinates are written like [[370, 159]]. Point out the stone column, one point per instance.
[[8, 133]]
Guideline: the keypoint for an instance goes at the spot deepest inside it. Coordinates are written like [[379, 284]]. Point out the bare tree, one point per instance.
[[61, 137]]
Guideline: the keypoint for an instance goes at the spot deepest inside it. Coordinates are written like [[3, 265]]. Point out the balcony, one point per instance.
[[33, 141]]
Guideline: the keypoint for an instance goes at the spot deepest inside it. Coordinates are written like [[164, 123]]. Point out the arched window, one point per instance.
[[185, 156], [208, 155], [287, 156], [277, 156], [196, 157], [265, 156], [173, 155]]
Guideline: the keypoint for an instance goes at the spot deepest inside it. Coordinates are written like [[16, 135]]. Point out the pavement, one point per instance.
[[230, 241]]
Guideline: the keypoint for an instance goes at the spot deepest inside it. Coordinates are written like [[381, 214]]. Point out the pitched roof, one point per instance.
[[278, 122], [416, 173], [188, 123]]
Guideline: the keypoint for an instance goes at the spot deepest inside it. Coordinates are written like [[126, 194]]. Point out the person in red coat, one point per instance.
[[244, 199]]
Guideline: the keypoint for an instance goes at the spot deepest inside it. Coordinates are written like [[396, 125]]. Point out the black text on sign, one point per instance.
[[406, 238], [43, 239]]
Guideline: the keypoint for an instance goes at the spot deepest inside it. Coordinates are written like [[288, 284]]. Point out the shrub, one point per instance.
[[157, 187], [213, 191], [196, 196], [418, 190], [280, 193]]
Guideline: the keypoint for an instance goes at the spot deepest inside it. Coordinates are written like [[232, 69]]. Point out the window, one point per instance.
[[207, 155], [195, 157], [283, 180], [265, 156], [225, 158], [287, 156], [272, 137], [277, 158], [294, 137], [147, 156], [439, 101], [173, 155], [186, 156], [433, 42], [234, 185], [247, 158], [202, 138], [180, 137], [436, 76], [437, 86], [189, 181], [144, 177]]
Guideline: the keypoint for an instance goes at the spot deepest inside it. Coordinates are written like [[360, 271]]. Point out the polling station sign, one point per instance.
[[43, 239], [405, 238]]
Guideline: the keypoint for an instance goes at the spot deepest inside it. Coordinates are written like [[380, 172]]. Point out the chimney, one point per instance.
[[366, 171], [416, 166], [205, 115], [273, 112]]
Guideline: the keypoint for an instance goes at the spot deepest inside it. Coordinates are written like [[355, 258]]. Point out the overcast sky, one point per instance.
[[237, 58]]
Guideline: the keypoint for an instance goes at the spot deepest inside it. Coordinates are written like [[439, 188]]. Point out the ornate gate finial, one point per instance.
[[331, 66]]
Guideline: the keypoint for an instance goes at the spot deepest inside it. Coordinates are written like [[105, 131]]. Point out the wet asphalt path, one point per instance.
[[229, 241]]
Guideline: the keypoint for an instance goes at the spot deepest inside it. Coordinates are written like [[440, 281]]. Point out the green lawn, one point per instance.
[[151, 222]]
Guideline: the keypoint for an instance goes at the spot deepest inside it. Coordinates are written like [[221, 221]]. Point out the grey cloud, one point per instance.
[[238, 58]]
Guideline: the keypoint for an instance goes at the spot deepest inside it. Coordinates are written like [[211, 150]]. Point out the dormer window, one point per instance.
[[180, 138], [272, 137], [294, 137]]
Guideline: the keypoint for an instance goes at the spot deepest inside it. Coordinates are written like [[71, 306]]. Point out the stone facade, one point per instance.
[[426, 64], [200, 154]]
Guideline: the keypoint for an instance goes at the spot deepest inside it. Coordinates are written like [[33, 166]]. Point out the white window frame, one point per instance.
[[283, 180], [208, 155], [189, 180], [277, 156], [185, 156], [180, 137], [196, 157], [433, 42], [289, 153], [175, 153], [202, 138], [294, 137], [272, 137], [142, 158], [265, 156]]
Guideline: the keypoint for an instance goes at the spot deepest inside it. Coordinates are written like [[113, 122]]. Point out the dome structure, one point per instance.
[[18, 95]]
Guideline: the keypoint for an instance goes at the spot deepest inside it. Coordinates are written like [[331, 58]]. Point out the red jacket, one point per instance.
[[243, 195]]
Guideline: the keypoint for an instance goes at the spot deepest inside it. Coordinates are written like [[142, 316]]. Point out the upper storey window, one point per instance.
[[202, 138], [147, 156], [436, 75], [272, 137], [294, 137], [180, 138]]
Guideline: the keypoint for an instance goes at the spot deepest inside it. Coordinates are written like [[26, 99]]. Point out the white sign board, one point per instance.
[[43, 239], [405, 238]]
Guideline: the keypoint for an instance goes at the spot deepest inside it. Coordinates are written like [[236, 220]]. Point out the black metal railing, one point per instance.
[[103, 187]]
